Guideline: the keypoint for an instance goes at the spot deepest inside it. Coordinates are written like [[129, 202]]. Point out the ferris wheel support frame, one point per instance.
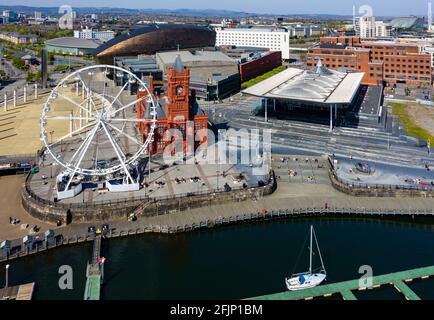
[[105, 118]]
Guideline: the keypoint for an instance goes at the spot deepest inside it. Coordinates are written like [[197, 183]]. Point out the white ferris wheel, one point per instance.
[[89, 124]]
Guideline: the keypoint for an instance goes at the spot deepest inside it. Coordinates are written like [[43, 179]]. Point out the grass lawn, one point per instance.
[[260, 78], [411, 127]]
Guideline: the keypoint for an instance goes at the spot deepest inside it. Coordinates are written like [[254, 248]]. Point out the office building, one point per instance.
[[383, 62], [94, 34]]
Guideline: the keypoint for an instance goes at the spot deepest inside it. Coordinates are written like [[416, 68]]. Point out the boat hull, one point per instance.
[[304, 281]]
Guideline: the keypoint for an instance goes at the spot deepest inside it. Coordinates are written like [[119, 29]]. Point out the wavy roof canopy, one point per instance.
[[319, 85]]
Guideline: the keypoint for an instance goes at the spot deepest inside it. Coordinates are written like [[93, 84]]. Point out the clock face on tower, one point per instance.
[[179, 90]]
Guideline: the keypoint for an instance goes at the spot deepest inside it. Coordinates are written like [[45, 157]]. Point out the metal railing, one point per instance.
[[21, 250], [130, 201]]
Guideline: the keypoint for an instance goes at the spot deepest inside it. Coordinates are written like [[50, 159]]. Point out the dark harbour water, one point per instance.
[[237, 261]]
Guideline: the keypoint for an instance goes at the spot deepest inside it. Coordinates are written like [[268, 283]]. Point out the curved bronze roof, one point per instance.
[[156, 37]]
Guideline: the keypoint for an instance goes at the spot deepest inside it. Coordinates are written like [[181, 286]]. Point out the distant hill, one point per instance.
[[54, 11]]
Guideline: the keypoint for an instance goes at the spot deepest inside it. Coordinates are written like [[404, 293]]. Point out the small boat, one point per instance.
[[307, 279]]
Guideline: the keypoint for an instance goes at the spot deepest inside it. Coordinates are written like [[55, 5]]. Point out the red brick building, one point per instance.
[[383, 62], [177, 110], [257, 67]]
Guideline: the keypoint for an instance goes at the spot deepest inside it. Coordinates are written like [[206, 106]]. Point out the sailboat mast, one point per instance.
[[310, 256], [319, 251]]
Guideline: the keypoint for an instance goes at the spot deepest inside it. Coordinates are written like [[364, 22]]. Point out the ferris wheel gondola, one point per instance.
[[98, 120]]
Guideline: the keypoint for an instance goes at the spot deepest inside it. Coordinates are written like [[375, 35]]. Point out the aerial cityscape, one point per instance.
[[239, 152]]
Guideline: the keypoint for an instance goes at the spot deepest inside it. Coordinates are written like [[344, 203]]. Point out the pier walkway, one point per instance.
[[20, 292], [345, 288], [94, 273]]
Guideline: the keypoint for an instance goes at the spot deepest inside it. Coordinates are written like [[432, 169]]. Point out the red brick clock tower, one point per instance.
[[181, 107], [178, 79]]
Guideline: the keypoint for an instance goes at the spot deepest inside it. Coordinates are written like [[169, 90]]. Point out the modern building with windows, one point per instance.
[[272, 39], [383, 62], [368, 27], [94, 34], [143, 67], [213, 75], [318, 90]]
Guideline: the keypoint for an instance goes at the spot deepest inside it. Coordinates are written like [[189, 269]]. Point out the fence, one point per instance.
[[109, 203], [62, 239]]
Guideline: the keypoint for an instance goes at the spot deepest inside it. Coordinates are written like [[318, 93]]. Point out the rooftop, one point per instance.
[[319, 85], [137, 65], [73, 42], [254, 30], [196, 56]]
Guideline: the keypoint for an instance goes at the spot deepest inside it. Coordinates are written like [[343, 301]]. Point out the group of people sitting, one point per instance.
[[14, 221]]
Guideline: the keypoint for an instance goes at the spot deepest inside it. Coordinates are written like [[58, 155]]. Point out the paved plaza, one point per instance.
[[10, 206], [383, 174], [160, 181]]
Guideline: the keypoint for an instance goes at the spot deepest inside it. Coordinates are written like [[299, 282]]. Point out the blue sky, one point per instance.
[[380, 7]]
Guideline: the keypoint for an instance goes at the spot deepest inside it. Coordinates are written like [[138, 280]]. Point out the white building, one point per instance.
[[429, 49], [94, 34], [38, 15], [382, 29], [367, 27], [272, 39]]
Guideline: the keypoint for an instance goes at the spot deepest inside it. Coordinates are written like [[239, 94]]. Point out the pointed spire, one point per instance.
[[178, 65]]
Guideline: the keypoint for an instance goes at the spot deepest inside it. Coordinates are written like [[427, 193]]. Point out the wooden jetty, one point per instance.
[[94, 272], [345, 288], [20, 292]]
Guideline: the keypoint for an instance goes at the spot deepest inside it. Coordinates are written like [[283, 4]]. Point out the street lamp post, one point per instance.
[[7, 276]]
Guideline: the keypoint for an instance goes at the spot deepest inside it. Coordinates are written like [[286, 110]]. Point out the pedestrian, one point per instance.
[[326, 205], [10, 220]]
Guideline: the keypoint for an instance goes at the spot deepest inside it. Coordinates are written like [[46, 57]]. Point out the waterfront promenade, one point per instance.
[[308, 193]]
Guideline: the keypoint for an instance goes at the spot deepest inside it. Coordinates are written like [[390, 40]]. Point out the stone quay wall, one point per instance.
[[53, 212]]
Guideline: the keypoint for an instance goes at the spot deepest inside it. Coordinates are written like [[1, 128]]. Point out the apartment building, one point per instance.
[[18, 38], [383, 62], [368, 27]]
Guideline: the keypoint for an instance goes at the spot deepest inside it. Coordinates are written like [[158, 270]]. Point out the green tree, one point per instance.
[[38, 75], [50, 56], [30, 76], [19, 63]]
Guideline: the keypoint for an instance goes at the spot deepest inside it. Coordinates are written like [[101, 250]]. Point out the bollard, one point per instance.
[[25, 94], [81, 118], [15, 98], [36, 91], [5, 102], [71, 124], [76, 89]]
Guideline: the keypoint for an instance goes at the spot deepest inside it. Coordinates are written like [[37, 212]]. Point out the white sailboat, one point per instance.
[[307, 279]]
